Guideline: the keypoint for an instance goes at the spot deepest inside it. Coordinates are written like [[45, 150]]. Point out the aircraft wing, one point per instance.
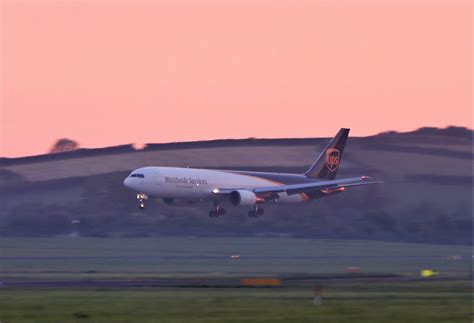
[[316, 186], [306, 187]]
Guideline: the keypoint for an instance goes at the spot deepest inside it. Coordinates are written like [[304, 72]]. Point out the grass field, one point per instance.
[[405, 297], [431, 301]]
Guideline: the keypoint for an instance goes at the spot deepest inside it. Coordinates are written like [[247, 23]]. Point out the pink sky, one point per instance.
[[113, 72]]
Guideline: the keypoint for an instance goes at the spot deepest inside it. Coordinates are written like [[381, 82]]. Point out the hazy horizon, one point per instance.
[[139, 146]]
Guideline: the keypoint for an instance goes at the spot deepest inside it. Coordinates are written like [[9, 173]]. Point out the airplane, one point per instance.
[[187, 186]]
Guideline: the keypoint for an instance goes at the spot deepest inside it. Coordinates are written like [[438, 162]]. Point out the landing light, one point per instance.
[[215, 191]]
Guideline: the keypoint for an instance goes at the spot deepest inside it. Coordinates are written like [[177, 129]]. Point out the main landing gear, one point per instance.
[[257, 211], [217, 211], [141, 200]]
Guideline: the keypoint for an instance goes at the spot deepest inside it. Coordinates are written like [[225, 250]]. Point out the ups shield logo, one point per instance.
[[332, 159]]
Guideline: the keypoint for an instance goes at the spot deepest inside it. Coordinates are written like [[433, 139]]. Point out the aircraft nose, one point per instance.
[[126, 182]]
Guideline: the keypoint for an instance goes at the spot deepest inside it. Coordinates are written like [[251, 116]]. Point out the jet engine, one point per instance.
[[243, 197]]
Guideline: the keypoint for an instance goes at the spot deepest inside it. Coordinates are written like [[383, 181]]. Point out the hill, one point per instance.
[[426, 196]]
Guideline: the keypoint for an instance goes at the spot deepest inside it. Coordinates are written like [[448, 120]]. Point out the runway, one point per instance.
[[220, 282]]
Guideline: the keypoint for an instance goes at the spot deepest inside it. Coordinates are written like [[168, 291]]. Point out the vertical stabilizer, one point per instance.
[[327, 165]]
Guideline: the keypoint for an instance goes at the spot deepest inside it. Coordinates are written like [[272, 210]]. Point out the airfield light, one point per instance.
[[428, 273]]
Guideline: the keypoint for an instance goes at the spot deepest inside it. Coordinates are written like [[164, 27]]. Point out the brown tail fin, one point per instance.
[[327, 165]]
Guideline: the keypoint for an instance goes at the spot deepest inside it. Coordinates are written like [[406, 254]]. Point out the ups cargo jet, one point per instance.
[[186, 186]]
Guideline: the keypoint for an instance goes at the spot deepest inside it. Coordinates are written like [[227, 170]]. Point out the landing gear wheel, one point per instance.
[[212, 214], [216, 210], [256, 212]]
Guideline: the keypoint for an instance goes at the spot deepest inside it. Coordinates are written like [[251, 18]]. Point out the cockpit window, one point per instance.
[[138, 175]]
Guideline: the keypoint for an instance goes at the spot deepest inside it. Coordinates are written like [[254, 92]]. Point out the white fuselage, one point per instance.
[[196, 184]]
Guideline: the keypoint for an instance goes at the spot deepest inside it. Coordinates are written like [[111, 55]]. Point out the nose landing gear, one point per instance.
[[141, 200]]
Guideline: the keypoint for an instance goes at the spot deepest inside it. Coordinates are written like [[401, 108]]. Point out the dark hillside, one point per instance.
[[426, 196]]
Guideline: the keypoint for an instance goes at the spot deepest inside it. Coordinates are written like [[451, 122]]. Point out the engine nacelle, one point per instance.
[[243, 197]]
